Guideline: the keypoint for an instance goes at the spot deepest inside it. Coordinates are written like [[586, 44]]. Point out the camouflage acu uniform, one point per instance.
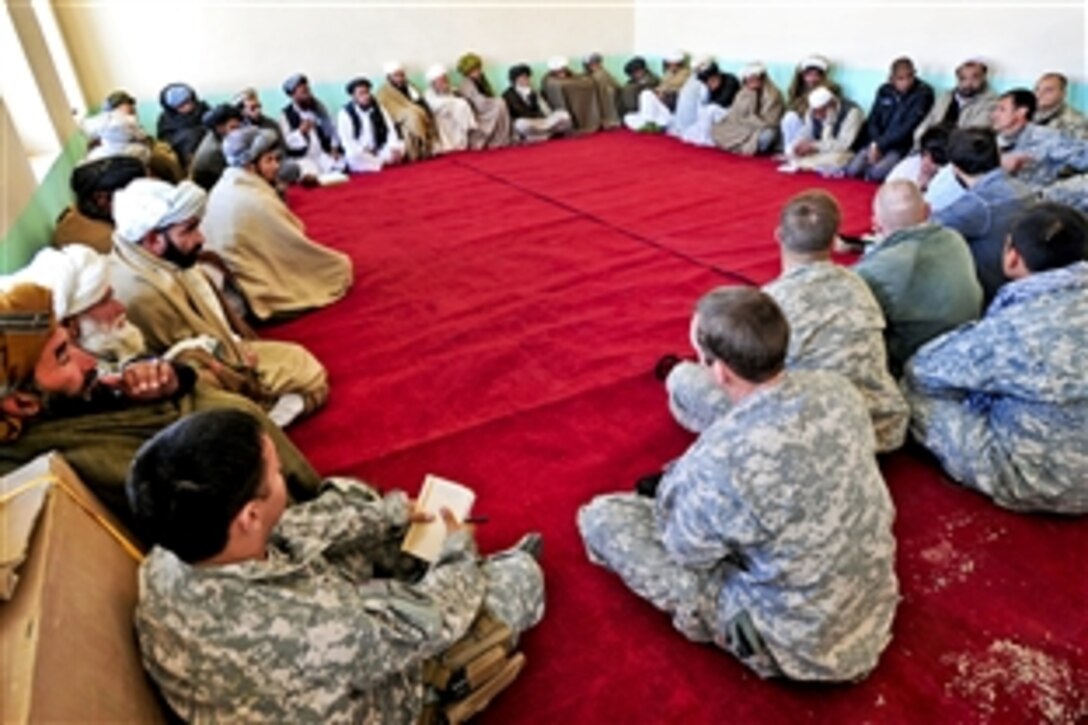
[[312, 633], [1003, 402], [771, 536], [835, 324], [1058, 161], [1065, 119]]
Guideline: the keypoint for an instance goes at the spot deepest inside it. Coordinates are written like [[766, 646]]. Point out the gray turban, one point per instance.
[[293, 82], [245, 145]]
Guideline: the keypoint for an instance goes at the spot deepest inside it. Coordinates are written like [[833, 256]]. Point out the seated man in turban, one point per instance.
[[181, 123], [309, 132], [52, 397], [492, 115], [83, 302], [577, 95], [827, 134], [249, 105], [409, 111], [752, 124], [279, 270], [367, 132], [656, 107], [608, 89], [208, 161], [90, 220], [533, 118], [116, 131], [454, 120], [639, 78], [171, 299]]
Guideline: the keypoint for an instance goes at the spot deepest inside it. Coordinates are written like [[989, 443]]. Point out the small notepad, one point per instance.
[[425, 540]]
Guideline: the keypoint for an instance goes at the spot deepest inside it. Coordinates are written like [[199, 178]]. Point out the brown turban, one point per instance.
[[26, 322]]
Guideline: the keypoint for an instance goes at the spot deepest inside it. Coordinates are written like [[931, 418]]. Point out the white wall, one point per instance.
[[221, 48], [1020, 42]]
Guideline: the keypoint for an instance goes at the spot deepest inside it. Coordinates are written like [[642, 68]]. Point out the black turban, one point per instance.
[[221, 114], [107, 174], [634, 65], [355, 83], [521, 69]]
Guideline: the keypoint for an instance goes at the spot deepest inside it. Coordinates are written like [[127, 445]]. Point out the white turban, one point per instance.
[[557, 62], [435, 72], [814, 61], [77, 275], [119, 134], [820, 97], [752, 69], [392, 66], [702, 63], [674, 56], [148, 204]]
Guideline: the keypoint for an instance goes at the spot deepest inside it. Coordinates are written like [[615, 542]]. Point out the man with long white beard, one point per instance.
[[83, 302]]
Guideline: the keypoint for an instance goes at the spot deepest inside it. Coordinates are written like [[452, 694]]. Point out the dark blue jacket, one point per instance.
[[894, 117]]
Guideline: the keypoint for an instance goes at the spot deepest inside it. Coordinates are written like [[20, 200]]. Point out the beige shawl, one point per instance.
[[750, 113], [278, 268]]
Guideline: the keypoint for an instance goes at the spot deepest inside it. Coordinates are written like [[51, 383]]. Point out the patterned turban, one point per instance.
[[26, 323]]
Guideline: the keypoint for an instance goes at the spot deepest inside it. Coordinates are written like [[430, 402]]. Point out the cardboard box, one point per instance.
[[68, 647]]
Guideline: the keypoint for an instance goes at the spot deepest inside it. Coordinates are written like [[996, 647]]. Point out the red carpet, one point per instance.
[[507, 311]]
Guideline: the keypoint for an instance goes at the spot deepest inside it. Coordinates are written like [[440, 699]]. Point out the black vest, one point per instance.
[[294, 120], [377, 120]]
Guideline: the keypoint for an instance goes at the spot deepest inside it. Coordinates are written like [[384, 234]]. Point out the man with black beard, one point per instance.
[[52, 398], [154, 273], [309, 133]]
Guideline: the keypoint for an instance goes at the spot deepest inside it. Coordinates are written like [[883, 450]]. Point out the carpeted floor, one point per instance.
[[507, 311]]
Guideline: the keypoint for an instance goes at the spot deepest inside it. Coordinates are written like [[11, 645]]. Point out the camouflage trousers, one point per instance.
[[971, 453], [515, 588], [696, 400], [959, 437], [1071, 192], [620, 534]]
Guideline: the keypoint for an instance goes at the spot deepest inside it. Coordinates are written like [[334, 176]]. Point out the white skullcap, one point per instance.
[[392, 66], [674, 56], [557, 62], [754, 68], [148, 204], [77, 275], [702, 62], [975, 59], [435, 72], [814, 61], [820, 97]]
